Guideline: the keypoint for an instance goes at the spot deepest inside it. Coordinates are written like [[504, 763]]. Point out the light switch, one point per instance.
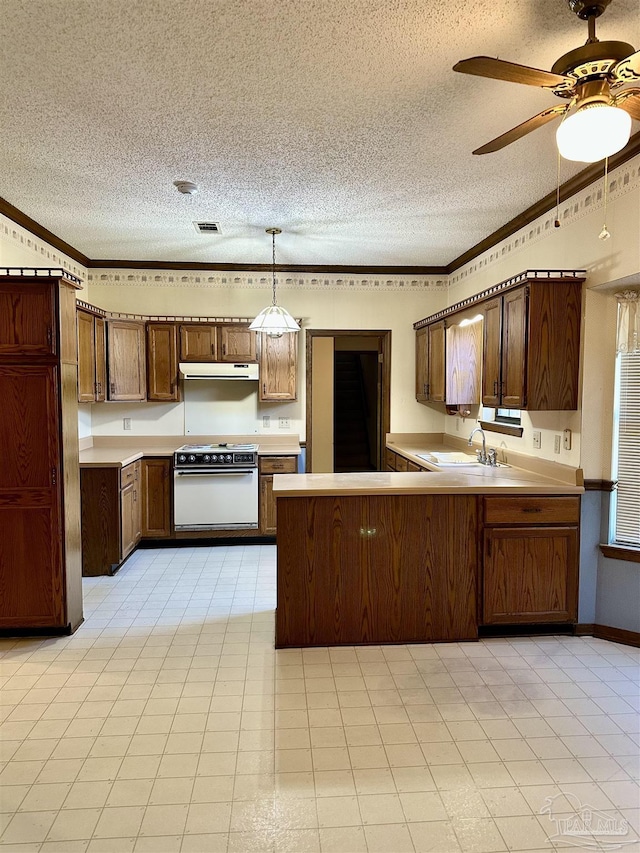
[[537, 439]]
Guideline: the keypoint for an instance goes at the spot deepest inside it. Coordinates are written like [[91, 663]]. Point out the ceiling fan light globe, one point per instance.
[[274, 321], [593, 132]]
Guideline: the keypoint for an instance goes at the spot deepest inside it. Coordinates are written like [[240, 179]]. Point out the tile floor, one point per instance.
[[169, 723]]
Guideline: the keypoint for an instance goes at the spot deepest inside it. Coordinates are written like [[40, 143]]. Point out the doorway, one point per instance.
[[348, 399]]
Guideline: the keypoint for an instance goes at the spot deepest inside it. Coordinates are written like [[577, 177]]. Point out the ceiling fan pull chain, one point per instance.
[[556, 223], [604, 234]]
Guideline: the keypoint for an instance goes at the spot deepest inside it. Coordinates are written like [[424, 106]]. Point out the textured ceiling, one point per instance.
[[339, 121]]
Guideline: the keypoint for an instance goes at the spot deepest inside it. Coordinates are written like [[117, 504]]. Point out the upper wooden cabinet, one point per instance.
[[92, 365], [199, 342], [237, 343], [278, 362], [126, 360], [27, 318], [531, 348], [162, 362]]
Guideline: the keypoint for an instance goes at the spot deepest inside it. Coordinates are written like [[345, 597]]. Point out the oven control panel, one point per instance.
[[200, 459]]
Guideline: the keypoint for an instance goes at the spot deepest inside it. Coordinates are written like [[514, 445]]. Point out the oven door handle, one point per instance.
[[216, 473]]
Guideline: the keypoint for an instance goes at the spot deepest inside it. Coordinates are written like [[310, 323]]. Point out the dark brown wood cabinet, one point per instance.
[[530, 559], [92, 365], [111, 516], [267, 467], [359, 569], [162, 362], [237, 344], [126, 360], [40, 573], [437, 362], [422, 365], [156, 497], [531, 347], [278, 358], [199, 342]]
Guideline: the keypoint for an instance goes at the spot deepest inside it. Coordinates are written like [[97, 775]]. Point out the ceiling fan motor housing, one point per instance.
[[585, 9]]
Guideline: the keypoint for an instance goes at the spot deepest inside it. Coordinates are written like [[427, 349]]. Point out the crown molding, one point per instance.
[[329, 269], [20, 218]]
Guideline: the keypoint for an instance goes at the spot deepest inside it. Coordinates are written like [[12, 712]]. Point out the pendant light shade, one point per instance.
[[593, 132], [274, 320]]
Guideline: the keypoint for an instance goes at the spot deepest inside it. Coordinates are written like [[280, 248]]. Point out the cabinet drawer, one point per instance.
[[401, 463], [531, 510], [278, 464], [390, 459], [129, 474]]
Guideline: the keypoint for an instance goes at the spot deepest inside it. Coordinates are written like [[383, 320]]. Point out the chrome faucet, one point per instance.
[[481, 454]]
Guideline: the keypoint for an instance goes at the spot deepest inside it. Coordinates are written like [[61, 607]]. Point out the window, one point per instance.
[[505, 421], [507, 416], [626, 450]]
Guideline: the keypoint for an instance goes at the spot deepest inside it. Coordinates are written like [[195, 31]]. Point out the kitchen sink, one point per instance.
[[454, 458]]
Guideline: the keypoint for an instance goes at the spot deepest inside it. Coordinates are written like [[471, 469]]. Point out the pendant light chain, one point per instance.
[[273, 261]]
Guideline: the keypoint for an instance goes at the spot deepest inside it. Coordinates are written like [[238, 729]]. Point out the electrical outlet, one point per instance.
[[283, 423], [566, 439], [537, 439], [266, 421], [126, 423], [556, 444]]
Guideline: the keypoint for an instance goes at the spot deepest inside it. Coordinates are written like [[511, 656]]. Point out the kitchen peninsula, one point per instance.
[[390, 557]]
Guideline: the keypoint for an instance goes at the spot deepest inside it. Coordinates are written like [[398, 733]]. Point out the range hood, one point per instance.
[[218, 370]]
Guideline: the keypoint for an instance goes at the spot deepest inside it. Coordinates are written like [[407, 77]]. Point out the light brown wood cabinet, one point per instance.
[[463, 363], [40, 570], [92, 365], [437, 362], [199, 342], [422, 365], [530, 562], [267, 467], [162, 362], [278, 358], [111, 516], [156, 497], [531, 347], [396, 462], [126, 372], [237, 344]]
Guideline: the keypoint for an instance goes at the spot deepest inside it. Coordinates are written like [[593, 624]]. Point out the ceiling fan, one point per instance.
[[595, 117]]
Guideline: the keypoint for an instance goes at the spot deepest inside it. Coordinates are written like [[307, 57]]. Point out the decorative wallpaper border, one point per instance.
[[44, 255], [621, 181], [248, 281]]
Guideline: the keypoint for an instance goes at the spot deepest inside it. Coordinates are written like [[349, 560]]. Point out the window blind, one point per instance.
[[627, 521]]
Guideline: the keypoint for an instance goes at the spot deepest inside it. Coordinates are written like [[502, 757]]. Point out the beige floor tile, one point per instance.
[[342, 839], [505, 802], [108, 845], [173, 791], [64, 846], [119, 822], [434, 837], [164, 819], [478, 835], [130, 792], [334, 783], [338, 811], [158, 844], [211, 843], [521, 833], [297, 785], [382, 839], [27, 827], [73, 824], [208, 818], [420, 807], [44, 797]]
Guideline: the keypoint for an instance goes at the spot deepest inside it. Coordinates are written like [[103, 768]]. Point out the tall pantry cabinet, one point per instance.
[[40, 553]]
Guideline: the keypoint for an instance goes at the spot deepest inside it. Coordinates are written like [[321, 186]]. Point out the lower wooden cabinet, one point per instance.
[[267, 467], [111, 502], [531, 558], [156, 497]]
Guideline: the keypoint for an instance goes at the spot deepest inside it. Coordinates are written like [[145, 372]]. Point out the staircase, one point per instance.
[[351, 439]]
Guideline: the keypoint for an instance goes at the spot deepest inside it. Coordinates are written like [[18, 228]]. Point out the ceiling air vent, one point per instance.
[[207, 227]]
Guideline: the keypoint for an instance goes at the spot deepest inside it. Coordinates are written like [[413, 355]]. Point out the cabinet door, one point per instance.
[[422, 371], [463, 361], [278, 360], [491, 352], [198, 343], [162, 362], [437, 362], [27, 312], [237, 343], [100, 359], [156, 497], [137, 502], [127, 520], [530, 574], [31, 573], [87, 385], [514, 349], [267, 506], [126, 360]]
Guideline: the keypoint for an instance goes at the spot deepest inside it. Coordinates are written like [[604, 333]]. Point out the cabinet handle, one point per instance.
[[495, 388], [224, 349], [99, 384], [213, 349], [368, 532], [113, 387], [264, 387], [54, 476], [426, 388], [531, 509], [49, 336], [135, 495]]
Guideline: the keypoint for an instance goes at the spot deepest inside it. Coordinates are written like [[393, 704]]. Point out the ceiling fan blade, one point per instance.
[[627, 70], [499, 69], [629, 101], [522, 129]]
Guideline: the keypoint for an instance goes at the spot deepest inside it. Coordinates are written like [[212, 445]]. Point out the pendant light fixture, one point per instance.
[[274, 320]]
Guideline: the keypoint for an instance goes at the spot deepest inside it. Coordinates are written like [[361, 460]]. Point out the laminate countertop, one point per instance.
[[115, 453]]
